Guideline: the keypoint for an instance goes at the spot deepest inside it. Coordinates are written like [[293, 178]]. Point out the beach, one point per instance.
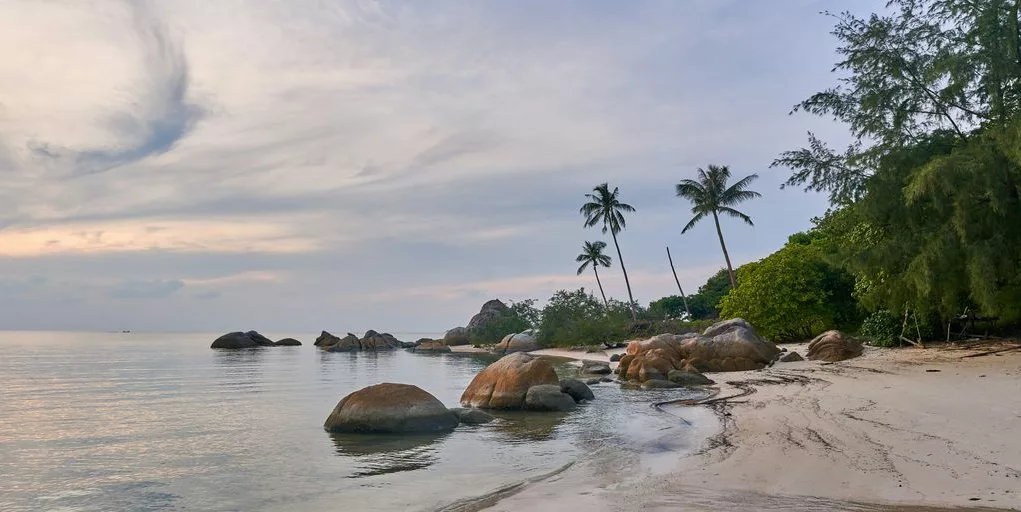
[[894, 429]]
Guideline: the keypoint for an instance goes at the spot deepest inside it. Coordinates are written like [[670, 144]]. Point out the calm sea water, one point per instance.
[[147, 422]]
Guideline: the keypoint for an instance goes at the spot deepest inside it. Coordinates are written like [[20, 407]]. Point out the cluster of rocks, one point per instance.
[[669, 360], [371, 341], [397, 409], [520, 381], [250, 339]]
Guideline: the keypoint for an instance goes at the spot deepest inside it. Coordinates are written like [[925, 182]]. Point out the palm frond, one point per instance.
[[734, 213], [694, 220]]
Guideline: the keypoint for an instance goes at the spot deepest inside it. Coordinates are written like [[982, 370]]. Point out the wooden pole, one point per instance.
[[678, 281]]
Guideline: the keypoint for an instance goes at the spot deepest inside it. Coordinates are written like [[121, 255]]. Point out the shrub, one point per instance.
[[791, 294], [882, 329], [518, 317], [578, 318]]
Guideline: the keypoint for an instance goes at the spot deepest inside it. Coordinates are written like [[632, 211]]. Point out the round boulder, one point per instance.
[[504, 384], [390, 409], [548, 397], [288, 342], [456, 336], [577, 390], [234, 340], [833, 346], [521, 342]]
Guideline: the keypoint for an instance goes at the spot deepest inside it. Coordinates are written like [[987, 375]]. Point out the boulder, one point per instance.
[[791, 357], [470, 416], [548, 397], [325, 339], [732, 345], [522, 342], [288, 342], [391, 409], [505, 383], [595, 367], [576, 389], [688, 378], [659, 384], [348, 343], [833, 346], [431, 347], [457, 336], [259, 339], [615, 357], [234, 340], [590, 382], [376, 341], [489, 312]]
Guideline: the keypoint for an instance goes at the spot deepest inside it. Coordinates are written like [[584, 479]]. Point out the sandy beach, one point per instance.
[[900, 429]]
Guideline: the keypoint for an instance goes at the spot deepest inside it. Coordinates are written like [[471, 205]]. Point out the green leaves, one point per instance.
[[710, 194]]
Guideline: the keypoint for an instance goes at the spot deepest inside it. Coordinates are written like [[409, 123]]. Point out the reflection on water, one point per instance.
[[374, 454], [524, 426]]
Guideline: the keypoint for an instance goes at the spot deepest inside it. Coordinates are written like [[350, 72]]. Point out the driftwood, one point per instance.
[[991, 352]]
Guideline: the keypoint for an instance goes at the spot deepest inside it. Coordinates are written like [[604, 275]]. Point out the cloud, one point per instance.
[[157, 289], [207, 295]]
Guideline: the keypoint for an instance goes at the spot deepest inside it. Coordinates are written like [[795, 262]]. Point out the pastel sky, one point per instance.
[[318, 164]]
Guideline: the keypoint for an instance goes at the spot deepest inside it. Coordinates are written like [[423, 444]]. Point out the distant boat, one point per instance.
[[125, 332]]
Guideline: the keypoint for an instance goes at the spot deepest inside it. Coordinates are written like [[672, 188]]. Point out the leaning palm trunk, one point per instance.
[[600, 283], [631, 300], [726, 256]]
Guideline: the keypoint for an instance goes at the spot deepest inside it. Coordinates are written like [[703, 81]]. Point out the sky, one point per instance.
[[301, 165]]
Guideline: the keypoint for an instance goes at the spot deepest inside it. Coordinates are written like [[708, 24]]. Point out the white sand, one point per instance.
[[877, 429]]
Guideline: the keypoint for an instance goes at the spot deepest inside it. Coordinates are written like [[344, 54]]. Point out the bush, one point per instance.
[[578, 318], [518, 317], [681, 326], [792, 294], [882, 329]]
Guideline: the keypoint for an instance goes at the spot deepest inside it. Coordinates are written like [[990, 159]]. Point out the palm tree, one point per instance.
[[605, 207], [592, 254], [710, 195]]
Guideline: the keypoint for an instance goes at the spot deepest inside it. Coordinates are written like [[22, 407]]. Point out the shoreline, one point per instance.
[[894, 429]]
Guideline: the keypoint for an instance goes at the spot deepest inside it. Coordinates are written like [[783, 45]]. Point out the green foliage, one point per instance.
[[680, 326], [670, 307], [881, 328], [518, 317], [792, 294], [706, 303], [578, 318]]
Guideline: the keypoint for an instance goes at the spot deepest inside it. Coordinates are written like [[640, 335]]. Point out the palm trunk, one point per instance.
[[630, 298], [600, 283], [730, 269], [678, 281]]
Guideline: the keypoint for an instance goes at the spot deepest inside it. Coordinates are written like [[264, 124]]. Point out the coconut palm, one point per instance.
[[605, 207], [710, 195], [592, 254]]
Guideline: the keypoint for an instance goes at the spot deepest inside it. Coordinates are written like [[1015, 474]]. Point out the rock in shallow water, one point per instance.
[[688, 378], [505, 383], [434, 347], [471, 416], [659, 384], [548, 397], [595, 367], [236, 340], [391, 409], [577, 390], [288, 342]]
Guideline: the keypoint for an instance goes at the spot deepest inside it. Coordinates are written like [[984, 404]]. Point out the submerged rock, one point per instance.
[[576, 389], [548, 397], [391, 409], [288, 342], [470, 416], [659, 384], [505, 383], [595, 367], [833, 346]]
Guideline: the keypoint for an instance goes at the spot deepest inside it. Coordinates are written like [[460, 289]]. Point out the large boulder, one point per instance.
[[376, 341], [391, 409], [732, 345], [833, 346], [431, 347], [259, 339], [288, 342], [548, 397], [577, 390], [521, 342], [489, 311], [234, 340], [351, 343], [504, 384], [348, 343], [457, 336]]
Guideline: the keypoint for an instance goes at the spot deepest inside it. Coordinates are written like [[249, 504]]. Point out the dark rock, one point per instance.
[[576, 389], [791, 357], [432, 347], [688, 378], [376, 341], [591, 382], [490, 311], [615, 357], [659, 384], [349, 343], [595, 367], [326, 339], [408, 344], [288, 342], [259, 339], [392, 409], [234, 340], [457, 336], [605, 379], [548, 397], [471, 416]]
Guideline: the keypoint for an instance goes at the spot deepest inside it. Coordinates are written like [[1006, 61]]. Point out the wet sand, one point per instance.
[[904, 429]]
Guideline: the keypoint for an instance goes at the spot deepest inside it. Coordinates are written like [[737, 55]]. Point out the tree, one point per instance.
[[592, 254], [605, 207], [710, 195], [706, 303], [577, 317]]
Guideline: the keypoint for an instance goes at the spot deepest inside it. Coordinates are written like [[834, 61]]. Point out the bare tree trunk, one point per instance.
[[730, 269], [678, 281], [630, 298], [595, 268]]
